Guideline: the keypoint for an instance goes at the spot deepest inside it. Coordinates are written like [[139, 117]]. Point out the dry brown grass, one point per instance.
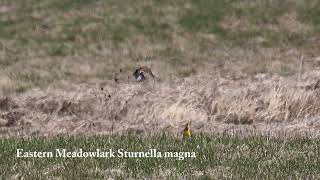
[[262, 104]]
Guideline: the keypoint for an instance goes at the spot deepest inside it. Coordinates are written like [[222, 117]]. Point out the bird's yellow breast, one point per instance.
[[187, 133]]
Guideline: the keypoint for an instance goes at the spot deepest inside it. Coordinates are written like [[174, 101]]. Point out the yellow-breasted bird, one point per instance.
[[187, 132]]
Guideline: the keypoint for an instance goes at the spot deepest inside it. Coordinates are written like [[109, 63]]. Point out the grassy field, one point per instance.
[[225, 66], [221, 157], [53, 43]]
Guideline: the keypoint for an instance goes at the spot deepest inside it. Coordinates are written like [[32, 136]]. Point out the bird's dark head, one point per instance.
[[187, 127], [138, 75]]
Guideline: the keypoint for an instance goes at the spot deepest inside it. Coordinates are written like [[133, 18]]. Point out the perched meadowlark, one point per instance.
[[187, 132]]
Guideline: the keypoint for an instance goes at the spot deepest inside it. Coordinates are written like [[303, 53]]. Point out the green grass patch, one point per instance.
[[205, 15], [66, 5], [264, 11], [220, 156], [119, 33], [310, 12], [150, 28]]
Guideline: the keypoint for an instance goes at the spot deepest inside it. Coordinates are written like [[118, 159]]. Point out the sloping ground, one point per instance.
[[262, 104]]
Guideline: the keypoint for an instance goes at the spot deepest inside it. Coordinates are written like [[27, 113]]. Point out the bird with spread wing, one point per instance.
[[140, 73]]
